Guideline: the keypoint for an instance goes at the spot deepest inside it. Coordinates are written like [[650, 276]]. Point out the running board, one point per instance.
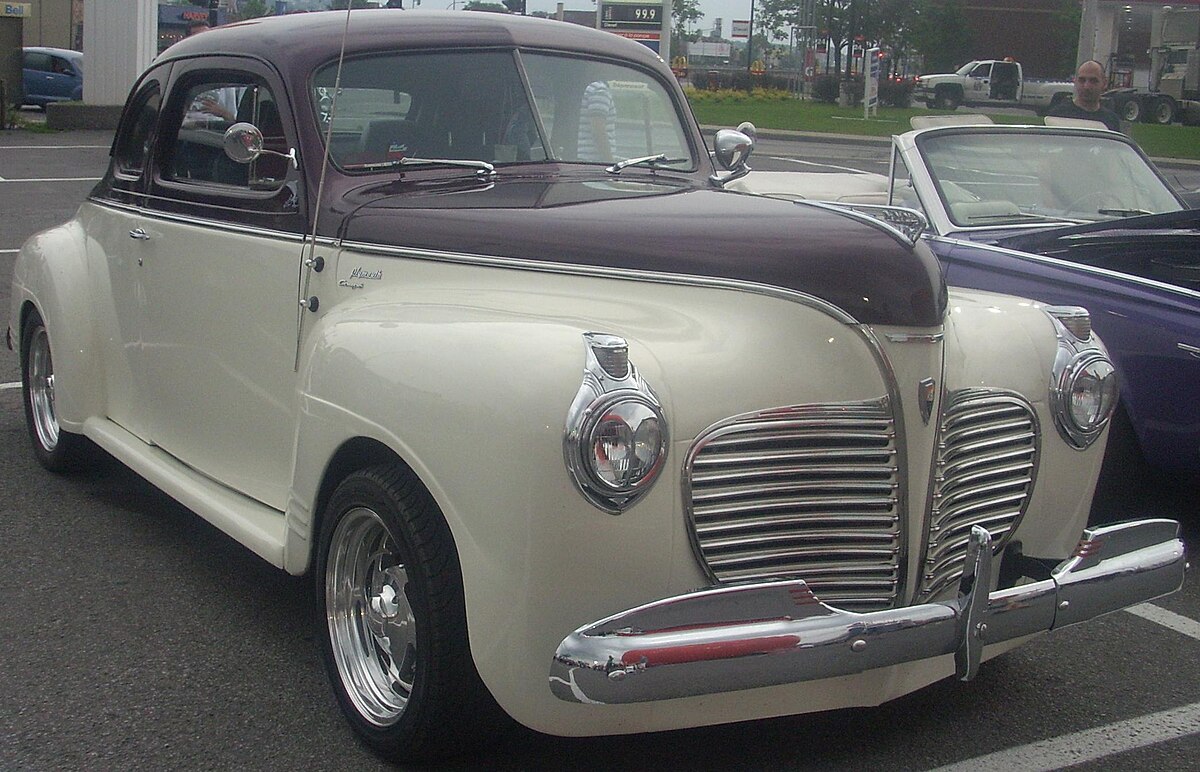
[[260, 528]]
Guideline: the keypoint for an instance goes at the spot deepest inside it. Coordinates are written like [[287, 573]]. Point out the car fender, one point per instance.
[[51, 275], [375, 365]]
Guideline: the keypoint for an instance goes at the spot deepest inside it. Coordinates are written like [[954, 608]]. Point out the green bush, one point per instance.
[[825, 88], [895, 93]]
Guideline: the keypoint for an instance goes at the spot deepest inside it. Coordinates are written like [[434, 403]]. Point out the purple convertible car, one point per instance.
[[1063, 215]]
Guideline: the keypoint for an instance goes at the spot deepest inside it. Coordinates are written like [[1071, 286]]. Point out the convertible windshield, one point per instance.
[[498, 107], [987, 179]]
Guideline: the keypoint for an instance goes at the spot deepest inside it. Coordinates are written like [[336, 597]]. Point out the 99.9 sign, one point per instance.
[[628, 16]]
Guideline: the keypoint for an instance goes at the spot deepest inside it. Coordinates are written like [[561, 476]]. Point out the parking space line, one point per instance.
[[56, 179], [1170, 619], [54, 147], [12, 385], [9, 251], [814, 163], [1088, 745]]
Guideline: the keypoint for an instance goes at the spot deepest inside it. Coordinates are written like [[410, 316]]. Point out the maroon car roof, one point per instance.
[[307, 39]]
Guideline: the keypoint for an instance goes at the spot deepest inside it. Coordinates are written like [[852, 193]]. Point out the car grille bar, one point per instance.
[[986, 466], [811, 492]]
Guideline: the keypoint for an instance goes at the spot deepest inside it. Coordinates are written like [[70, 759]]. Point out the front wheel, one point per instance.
[[948, 99], [57, 450], [394, 638]]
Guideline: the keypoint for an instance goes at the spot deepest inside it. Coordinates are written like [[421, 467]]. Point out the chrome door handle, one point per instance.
[[1193, 350], [139, 234]]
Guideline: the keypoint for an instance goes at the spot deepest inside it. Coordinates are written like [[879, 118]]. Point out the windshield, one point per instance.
[[1002, 178], [496, 106]]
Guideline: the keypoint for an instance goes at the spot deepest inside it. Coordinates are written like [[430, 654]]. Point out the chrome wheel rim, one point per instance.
[[371, 623], [41, 390]]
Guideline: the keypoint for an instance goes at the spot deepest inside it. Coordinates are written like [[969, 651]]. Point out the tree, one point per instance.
[[252, 9], [941, 34], [481, 5], [685, 13]]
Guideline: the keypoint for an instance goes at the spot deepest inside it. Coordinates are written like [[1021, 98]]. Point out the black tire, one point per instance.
[[392, 620], [55, 449], [1130, 109], [948, 99], [1162, 111]]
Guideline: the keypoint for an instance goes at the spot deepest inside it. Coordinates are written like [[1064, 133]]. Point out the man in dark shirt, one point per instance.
[[1090, 83]]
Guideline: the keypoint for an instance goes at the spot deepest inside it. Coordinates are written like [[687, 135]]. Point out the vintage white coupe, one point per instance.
[[453, 312]]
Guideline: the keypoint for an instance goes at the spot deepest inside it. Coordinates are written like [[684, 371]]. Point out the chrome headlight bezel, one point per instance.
[[1080, 361], [614, 408]]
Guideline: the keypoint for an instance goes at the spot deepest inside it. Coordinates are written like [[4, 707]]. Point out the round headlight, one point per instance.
[[1086, 397], [624, 444], [1093, 394]]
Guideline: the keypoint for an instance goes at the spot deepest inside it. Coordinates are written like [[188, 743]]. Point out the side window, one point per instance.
[[903, 192], [36, 60], [207, 108], [133, 145], [61, 66], [982, 70]]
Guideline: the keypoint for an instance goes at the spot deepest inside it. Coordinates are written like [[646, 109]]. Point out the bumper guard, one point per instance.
[[747, 636]]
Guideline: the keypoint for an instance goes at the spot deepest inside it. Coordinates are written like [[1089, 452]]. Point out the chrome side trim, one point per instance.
[[1036, 258], [727, 639], [203, 222], [908, 337], [624, 274], [1193, 350]]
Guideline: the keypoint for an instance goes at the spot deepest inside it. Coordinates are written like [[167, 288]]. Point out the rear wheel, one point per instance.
[[57, 450], [1163, 112], [394, 634]]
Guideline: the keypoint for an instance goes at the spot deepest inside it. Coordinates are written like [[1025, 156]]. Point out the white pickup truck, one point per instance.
[[990, 82]]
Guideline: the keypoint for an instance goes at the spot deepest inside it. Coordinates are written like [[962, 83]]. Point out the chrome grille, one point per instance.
[[986, 465], [810, 492]]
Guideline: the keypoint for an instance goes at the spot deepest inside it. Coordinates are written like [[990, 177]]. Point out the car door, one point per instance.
[[117, 235], [978, 86], [223, 256]]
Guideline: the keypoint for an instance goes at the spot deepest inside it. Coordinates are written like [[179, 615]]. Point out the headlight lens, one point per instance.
[[1093, 394], [625, 444]]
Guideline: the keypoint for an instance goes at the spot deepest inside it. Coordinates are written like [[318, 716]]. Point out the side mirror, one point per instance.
[[243, 142], [732, 148]]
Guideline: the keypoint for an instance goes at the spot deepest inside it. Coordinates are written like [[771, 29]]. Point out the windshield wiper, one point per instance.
[[1123, 212], [650, 160], [482, 168], [1020, 216]]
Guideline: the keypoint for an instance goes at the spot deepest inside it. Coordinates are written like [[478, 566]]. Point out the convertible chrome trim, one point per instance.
[[1058, 263], [765, 634]]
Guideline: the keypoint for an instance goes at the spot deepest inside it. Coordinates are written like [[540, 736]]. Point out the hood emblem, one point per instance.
[[926, 394]]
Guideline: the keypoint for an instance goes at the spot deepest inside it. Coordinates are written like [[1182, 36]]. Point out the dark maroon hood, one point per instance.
[[652, 224]]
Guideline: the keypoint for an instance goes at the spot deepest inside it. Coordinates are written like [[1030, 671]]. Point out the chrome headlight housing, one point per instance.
[[615, 443], [1084, 390]]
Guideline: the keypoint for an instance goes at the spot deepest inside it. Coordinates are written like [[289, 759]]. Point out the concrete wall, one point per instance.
[[50, 24], [119, 42]]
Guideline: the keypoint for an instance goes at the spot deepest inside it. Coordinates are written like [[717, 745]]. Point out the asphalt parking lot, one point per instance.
[[137, 636]]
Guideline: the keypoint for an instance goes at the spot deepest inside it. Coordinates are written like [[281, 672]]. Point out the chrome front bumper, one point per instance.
[[742, 637]]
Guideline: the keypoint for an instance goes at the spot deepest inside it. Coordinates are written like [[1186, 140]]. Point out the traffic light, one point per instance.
[[515, 6]]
